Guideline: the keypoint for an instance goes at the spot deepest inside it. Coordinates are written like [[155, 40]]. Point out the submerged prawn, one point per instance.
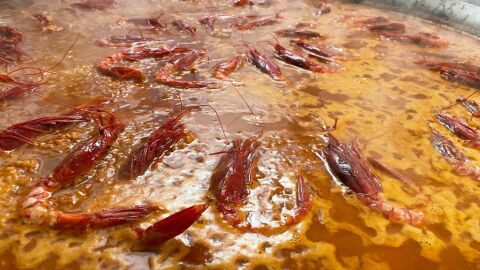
[[120, 41], [299, 33], [254, 23], [347, 164], [185, 27], [231, 179], [422, 39]]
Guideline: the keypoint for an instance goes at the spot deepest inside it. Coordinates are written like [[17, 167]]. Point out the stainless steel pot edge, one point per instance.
[[463, 15]]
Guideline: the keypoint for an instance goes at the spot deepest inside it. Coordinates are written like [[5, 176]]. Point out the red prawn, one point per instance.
[[422, 39], [323, 53], [185, 27], [10, 40], [224, 69], [347, 164], [254, 23], [264, 63], [298, 60], [134, 54], [386, 28], [162, 140], [471, 105], [165, 75], [299, 33], [171, 226], [463, 73], [231, 179], [459, 128], [452, 155], [93, 4]]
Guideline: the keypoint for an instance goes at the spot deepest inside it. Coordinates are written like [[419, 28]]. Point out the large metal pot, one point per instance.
[[461, 14]]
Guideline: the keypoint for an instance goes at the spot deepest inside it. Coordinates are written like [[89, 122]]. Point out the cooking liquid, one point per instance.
[[380, 97]]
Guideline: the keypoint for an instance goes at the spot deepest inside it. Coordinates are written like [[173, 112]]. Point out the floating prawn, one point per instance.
[[170, 226], [463, 73], [470, 105], [159, 144], [231, 179], [347, 165], [325, 53], [299, 33], [298, 60], [264, 63], [241, 3], [226, 68], [23, 133], [134, 54], [459, 128], [165, 75], [38, 207], [452, 155]]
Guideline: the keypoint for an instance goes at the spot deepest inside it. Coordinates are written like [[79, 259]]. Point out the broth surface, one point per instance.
[[380, 97]]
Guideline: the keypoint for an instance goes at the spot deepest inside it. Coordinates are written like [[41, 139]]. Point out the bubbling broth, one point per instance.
[[403, 195]]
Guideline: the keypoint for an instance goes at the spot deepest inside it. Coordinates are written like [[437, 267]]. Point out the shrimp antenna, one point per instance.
[[453, 104], [65, 54], [244, 101], [219, 120]]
